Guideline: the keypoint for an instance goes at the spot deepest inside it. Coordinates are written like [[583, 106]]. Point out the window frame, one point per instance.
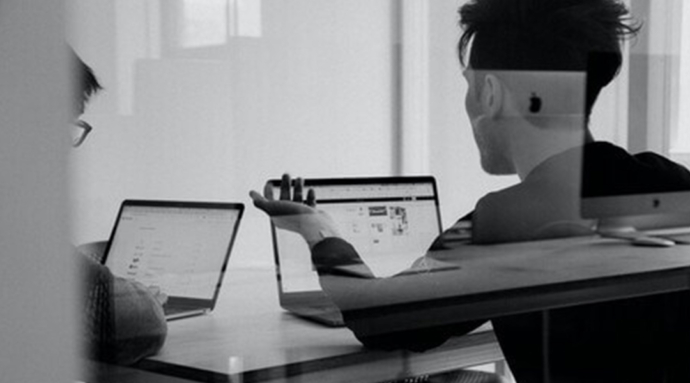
[[653, 111]]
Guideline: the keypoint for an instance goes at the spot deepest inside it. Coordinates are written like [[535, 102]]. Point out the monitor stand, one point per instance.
[[609, 229]]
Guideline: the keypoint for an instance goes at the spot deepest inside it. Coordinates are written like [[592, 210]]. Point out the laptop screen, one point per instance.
[[390, 221], [183, 250]]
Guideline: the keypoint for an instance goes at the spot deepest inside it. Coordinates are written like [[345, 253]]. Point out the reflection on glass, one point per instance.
[[544, 115], [641, 189]]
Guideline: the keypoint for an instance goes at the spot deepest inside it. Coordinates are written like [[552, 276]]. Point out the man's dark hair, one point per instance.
[[86, 83], [547, 35]]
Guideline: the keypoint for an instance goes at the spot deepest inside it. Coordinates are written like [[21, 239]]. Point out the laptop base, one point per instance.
[[184, 314], [330, 318]]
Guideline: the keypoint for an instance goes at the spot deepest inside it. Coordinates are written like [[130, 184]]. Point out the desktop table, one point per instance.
[[500, 280], [249, 339]]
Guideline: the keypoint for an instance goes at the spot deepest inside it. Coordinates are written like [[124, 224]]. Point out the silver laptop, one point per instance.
[[391, 221], [181, 248]]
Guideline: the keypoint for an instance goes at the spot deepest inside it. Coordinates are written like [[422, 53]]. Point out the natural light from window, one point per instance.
[[205, 23], [681, 144]]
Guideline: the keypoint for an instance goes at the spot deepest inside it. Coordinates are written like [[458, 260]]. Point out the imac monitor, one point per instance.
[[655, 193], [642, 209]]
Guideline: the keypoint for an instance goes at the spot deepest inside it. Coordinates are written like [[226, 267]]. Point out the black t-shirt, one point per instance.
[[634, 340], [610, 170]]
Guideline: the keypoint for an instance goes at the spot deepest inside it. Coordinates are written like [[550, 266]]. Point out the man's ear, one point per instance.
[[492, 96]]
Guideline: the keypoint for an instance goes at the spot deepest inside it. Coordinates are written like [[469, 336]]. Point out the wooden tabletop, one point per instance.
[[499, 280], [250, 336]]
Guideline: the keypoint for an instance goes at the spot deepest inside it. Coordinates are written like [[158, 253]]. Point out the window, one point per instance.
[[680, 139], [204, 23], [659, 79]]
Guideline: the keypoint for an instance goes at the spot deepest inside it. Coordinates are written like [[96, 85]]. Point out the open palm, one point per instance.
[[294, 213]]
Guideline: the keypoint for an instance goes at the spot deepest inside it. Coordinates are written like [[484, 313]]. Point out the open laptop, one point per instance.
[[391, 221], [182, 248]]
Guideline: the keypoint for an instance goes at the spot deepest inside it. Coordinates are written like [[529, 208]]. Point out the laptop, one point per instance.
[[182, 248], [391, 221]]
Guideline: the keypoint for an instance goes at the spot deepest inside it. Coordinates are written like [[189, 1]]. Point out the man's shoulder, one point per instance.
[[662, 163], [611, 169], [605, 152]]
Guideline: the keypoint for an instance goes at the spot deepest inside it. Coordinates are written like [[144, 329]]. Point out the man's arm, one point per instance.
[[342, 272], [333, 255], [140, 326], [123, 320]]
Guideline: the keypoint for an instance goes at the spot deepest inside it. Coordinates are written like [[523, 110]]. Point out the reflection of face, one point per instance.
[[491, 139]]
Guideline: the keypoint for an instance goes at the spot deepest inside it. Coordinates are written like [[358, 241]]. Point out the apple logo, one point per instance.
[[535, 103]]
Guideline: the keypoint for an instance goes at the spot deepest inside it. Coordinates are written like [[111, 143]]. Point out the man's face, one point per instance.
[[490, 137]]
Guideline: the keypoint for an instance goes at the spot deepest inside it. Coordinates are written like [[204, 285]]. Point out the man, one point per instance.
[[635, 340], [638, 340], [123, 321]]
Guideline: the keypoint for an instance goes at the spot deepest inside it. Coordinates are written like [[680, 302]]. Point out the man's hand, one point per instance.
[[295, 213], [157, 293]]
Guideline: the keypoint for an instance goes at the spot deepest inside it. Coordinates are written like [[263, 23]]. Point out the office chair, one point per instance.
[[457, 376], [466, 376]]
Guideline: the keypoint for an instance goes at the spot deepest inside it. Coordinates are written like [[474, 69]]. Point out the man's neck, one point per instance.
[[542, 146]]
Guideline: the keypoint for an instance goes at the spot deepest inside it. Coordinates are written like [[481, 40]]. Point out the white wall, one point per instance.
[[454, 156], [37, 319], [317, 94], [313, 96]]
